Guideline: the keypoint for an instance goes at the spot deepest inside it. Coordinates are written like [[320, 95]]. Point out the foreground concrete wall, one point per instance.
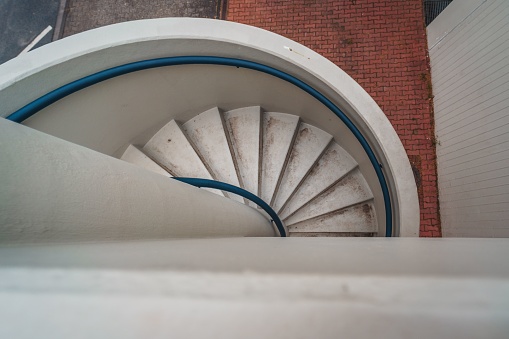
[[469, 53], [252, 288], [55, 191]]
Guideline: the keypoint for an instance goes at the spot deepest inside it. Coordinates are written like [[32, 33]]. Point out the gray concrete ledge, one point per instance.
[[253, 287]]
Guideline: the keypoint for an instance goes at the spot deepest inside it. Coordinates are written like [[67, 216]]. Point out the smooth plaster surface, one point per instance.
[[476, 258], [257, 287]]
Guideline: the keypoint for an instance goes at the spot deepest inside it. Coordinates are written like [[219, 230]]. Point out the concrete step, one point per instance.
[[244, 128], [308, 147], [171, 148], [279, 132], [329, 169], [349, 191], [207, 134], [355, 219], [134, 156]]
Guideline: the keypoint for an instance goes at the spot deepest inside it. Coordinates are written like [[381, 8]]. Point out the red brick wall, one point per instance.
[[382, 45]]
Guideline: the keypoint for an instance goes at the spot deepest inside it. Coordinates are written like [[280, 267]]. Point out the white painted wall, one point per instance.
[[469, 52]]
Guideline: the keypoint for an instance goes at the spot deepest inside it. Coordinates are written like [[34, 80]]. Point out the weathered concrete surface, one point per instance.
[[349, 191], [308, 147], [335, 164], [82, 15], [244, 127], [207, 134], [332, 197], [171, 149], [279, 131]]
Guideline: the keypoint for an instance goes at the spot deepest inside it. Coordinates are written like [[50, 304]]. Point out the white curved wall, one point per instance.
[[54, 191], [469, 55], [86, 53]]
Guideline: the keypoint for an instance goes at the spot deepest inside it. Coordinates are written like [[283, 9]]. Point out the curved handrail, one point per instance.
[[239, 191], [61, 92]]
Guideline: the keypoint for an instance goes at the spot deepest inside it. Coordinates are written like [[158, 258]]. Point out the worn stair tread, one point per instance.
[[207, 134], [279, 130], [332, 234], [334, 164], [244, 128], [359, 218], [171, 148], [309, 145], [350, 190], [134, 156]]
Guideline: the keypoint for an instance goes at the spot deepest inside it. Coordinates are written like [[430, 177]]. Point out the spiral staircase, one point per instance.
[[307, 178], [195, 100]]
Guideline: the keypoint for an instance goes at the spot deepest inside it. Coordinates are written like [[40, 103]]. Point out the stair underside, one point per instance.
[[307, 177]]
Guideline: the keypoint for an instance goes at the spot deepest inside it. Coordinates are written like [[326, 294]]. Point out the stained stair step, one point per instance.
[[279, 132], [134, 156], [349, 191], [244, 128], [353, 220], [308, 147], [334, 164], [171, 148], [332, 234], [207, 134]]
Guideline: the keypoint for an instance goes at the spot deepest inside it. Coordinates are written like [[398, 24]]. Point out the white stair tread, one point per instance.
[[170, 148], [332, 166], [244, 126], [206, 133], [134, 156], [349, 191], [309, 144], [279, 130], [355, 219]]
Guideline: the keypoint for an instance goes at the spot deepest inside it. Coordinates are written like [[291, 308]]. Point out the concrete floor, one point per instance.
[[83, 15], [22, 21]]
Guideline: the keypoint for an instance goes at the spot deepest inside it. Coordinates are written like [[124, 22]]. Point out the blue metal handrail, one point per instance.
[[61, 92], [198, 182]]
